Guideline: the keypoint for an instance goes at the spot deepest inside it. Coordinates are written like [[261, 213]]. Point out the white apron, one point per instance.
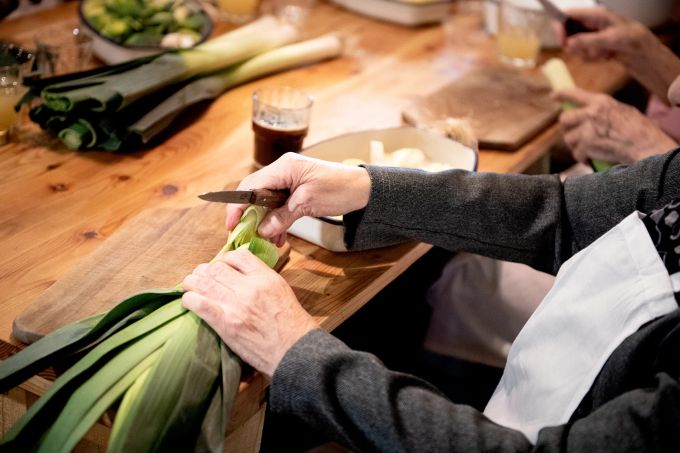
[[602, 295]]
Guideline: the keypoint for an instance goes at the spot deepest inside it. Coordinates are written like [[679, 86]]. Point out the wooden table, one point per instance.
[[57, 206]]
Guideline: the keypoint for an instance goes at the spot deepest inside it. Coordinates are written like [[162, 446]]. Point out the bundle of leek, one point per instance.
[[131, 104], [171, 375]]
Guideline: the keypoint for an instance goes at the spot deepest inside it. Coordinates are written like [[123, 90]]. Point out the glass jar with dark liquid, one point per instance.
[[272, 142], [280, 122]]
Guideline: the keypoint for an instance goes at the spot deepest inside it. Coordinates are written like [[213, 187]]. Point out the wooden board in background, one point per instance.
[[506, 107]]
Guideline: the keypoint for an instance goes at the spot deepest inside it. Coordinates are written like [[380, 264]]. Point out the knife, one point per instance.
[[261, 197], [571, 26]]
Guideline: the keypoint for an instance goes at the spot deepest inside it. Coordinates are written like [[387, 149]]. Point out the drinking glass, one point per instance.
[[11, 91], [239, 11], [62, 50], [280, 122], [518, 36]]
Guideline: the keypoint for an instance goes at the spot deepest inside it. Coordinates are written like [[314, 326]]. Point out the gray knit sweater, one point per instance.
[[634, 405]]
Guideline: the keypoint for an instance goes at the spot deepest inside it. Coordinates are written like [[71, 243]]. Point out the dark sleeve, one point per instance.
[[7, 6], [535, 220], [353, 399]]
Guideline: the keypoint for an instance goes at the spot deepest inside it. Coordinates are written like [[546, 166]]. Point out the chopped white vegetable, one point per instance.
[[377, 155], [178, 40]]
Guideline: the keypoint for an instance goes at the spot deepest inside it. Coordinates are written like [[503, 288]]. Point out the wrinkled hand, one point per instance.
[[613, 36], [603, 128], [250, 306], [317, 188], [628, 42]]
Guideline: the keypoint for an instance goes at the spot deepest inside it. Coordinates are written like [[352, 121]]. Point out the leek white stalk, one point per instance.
[[557, 73], [209, 87]]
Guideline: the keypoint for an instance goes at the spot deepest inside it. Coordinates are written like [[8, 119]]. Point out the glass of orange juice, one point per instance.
[[519, 25], [11, 91], [239, 11]]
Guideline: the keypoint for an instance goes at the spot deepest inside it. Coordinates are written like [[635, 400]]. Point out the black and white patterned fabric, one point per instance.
[[663, 226]]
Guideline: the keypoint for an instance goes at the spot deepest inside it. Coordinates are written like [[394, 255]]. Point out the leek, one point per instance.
[[77, 110], [206, 88], [113, 92], [558, 74], [174, 378]]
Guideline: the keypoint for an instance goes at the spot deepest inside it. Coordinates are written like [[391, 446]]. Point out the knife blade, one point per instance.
[[261, 197], [571, 25]]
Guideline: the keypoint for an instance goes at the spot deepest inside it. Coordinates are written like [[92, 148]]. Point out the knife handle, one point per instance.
[[572, 27], [270, 198]]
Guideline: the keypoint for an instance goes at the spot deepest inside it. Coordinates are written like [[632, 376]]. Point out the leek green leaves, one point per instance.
[[173, 377]]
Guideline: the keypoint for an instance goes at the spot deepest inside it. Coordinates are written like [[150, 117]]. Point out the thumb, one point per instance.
[[576, 96]]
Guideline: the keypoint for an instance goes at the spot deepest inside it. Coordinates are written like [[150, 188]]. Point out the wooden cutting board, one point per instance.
[[505, 107], [134, 259]]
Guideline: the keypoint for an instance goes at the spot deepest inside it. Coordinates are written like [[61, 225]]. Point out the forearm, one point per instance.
[[530, 219], [461, 211], [351, 398], [655, 68]]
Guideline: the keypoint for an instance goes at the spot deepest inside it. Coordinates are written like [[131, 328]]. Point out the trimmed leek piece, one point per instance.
[[171, 378], [128, 107], [556, 71]]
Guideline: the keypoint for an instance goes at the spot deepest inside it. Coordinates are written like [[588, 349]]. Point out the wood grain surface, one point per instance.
[[506, 107]]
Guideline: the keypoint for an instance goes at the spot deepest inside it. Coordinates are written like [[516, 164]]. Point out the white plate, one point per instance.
[[400, 11], [329, 233]]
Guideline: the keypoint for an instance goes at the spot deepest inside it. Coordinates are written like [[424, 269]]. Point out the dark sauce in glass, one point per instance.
[[271, 143]]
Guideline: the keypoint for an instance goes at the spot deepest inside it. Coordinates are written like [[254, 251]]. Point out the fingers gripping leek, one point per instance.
[[557, 73], [174, 378]]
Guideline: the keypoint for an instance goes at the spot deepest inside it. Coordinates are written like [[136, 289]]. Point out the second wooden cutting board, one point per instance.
[[505, 107]]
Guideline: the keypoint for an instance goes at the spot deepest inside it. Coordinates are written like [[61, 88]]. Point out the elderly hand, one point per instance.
[[613, 36], [629, 42], [317, 188], [603, 128], [250, 306]]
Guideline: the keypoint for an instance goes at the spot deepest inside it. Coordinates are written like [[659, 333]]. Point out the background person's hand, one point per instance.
[[605, 129], [250, 306], [630, 43], [612, 36], [317, 188]]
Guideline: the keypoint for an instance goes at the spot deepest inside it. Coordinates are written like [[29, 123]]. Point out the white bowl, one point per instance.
[[111, 52], [400, 11], [328, 232]]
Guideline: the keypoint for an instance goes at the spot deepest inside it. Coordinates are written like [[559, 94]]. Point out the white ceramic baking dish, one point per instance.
[[403, 12], [328, 232]]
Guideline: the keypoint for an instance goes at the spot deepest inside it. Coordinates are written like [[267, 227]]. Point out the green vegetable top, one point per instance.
[[164, 23]]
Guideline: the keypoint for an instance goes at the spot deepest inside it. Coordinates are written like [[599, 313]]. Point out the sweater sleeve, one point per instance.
[[535, 220], [353, 399]]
